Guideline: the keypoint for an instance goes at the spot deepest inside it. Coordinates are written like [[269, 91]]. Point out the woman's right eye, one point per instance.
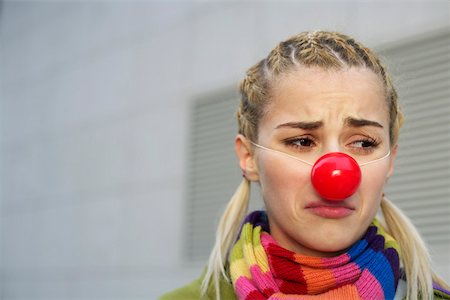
[[301, 143]]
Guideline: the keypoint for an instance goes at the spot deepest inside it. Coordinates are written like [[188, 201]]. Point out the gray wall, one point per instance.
[[94, 111]]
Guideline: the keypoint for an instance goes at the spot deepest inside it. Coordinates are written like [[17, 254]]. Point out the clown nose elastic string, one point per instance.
[[335, 176]]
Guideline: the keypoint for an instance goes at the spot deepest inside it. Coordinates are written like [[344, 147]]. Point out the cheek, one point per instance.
[[376, 176], [282, 180], [372, 185]]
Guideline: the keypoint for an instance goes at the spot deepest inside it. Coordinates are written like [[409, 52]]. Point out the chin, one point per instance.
[[334, 246]]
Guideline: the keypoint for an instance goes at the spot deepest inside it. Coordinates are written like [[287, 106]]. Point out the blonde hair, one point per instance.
[[414, 253], [329, 51]]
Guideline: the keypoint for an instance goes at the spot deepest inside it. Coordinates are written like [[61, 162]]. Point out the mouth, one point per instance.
[[330, 210]]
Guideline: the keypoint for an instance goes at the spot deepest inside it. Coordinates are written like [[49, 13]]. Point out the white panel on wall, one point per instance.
[[213, 171]]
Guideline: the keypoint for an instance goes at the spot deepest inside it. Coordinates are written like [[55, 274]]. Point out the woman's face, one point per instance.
[[313, 112]]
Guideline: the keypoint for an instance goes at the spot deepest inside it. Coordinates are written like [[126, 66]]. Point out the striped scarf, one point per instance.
[[261, 269]]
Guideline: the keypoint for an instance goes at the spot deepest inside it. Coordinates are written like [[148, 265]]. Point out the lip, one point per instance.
[[330, 210]]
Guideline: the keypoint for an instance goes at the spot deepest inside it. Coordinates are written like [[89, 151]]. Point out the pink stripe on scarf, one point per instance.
[[244, 287], [264, 281], [346, 274], [369, 287]]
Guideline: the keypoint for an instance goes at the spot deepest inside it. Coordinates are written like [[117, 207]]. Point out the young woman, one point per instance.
[[318, 127]]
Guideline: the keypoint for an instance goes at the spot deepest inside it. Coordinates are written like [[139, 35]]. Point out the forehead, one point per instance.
[[314, 93]]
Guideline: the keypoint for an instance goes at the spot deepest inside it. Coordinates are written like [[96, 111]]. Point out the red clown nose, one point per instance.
[[336, 176]]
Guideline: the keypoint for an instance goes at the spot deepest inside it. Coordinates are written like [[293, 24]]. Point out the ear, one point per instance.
[[245, 154], [392, 160]]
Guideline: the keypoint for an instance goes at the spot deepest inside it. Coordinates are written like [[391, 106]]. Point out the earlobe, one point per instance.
[[245, 154]]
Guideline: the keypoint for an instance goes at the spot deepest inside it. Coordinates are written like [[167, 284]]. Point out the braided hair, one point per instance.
[[326, 50]]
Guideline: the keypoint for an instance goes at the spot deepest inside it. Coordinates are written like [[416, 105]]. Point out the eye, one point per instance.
[[301, 143], [364, 145]]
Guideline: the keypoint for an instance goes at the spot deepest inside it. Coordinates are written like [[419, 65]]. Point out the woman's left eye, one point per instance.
[[364, 144]]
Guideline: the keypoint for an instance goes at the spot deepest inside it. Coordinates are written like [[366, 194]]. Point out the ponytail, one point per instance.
[[226, 235], [414, 254]]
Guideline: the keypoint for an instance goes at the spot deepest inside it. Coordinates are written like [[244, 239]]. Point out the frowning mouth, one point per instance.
[[330, 210]]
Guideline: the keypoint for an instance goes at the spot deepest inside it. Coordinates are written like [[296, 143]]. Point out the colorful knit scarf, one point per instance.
[[261, 269]]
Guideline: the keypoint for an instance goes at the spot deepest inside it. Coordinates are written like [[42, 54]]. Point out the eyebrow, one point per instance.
[[350, 121], [301, 125], [353, 122]]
